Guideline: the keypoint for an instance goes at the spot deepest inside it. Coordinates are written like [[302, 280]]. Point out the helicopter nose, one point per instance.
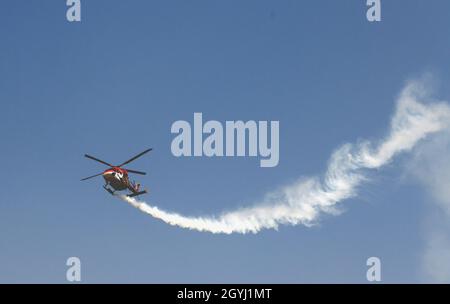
[[108, 175]]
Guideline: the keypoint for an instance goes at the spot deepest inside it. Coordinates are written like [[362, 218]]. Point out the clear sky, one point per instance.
[[113, 84]]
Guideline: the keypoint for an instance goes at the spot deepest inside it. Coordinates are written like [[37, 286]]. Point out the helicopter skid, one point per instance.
[[137, 193], [109, 190]]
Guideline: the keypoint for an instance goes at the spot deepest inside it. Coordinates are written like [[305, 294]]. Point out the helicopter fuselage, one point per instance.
[[117, 178]]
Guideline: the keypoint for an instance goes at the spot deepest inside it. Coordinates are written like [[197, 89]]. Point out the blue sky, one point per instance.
[[113, 84]]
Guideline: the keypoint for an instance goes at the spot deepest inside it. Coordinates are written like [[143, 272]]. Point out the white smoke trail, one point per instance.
[[303, 201]]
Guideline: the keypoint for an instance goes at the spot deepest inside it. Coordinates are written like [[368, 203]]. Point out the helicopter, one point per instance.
[[116, 178]]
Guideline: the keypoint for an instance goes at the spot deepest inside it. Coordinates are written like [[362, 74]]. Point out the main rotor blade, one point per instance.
[[99, 160], [135, 172], [91, 176], [133, 158]]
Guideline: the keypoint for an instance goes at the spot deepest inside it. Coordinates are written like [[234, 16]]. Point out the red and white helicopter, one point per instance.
[[117, 178]]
